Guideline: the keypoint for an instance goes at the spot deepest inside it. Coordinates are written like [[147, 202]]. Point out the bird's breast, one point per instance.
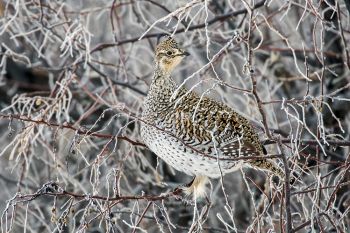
[[182, 157]]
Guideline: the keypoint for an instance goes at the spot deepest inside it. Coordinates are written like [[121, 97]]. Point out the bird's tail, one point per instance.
[[269, 165]]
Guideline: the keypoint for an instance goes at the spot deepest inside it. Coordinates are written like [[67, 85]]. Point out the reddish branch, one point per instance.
[[53, 189], [109, 136], [136, 143], [69, 126], [304, 142]]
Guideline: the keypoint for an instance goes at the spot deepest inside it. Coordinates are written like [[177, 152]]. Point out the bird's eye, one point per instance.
[[169, 53]]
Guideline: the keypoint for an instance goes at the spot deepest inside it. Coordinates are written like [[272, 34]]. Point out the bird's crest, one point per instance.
[[168, 43]]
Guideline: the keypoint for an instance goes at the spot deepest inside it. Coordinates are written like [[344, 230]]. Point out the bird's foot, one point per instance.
[[181, 193], [182, 188]]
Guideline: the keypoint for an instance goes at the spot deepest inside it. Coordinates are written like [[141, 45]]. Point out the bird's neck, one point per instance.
[[162, 86], [162, 96], [158, 98]]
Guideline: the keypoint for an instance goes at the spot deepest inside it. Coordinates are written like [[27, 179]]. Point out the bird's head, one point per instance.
[[169, 55]]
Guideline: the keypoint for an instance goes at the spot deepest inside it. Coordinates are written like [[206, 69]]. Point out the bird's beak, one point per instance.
[[185, 54]]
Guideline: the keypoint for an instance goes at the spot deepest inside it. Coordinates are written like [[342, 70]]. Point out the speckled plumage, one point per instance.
[[195, 135]]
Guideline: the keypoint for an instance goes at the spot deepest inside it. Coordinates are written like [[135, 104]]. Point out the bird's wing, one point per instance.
[[238, 149], [209, 126]]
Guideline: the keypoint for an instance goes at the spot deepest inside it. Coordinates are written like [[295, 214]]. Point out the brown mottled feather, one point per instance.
[[193, 126]]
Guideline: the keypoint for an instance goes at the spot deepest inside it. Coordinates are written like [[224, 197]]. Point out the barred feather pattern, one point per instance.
[[198, 135]]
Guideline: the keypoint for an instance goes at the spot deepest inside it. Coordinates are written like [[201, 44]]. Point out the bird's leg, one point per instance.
[[195, 188], [178, 191], [190, 183], [181, 188]]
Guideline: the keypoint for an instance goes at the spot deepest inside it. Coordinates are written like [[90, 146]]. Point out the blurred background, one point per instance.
[[73, 77]]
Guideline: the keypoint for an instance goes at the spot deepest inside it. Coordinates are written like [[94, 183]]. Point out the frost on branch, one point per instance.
[[74, 74]]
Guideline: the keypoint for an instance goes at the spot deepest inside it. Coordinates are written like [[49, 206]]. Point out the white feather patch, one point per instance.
[[197, 188]]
